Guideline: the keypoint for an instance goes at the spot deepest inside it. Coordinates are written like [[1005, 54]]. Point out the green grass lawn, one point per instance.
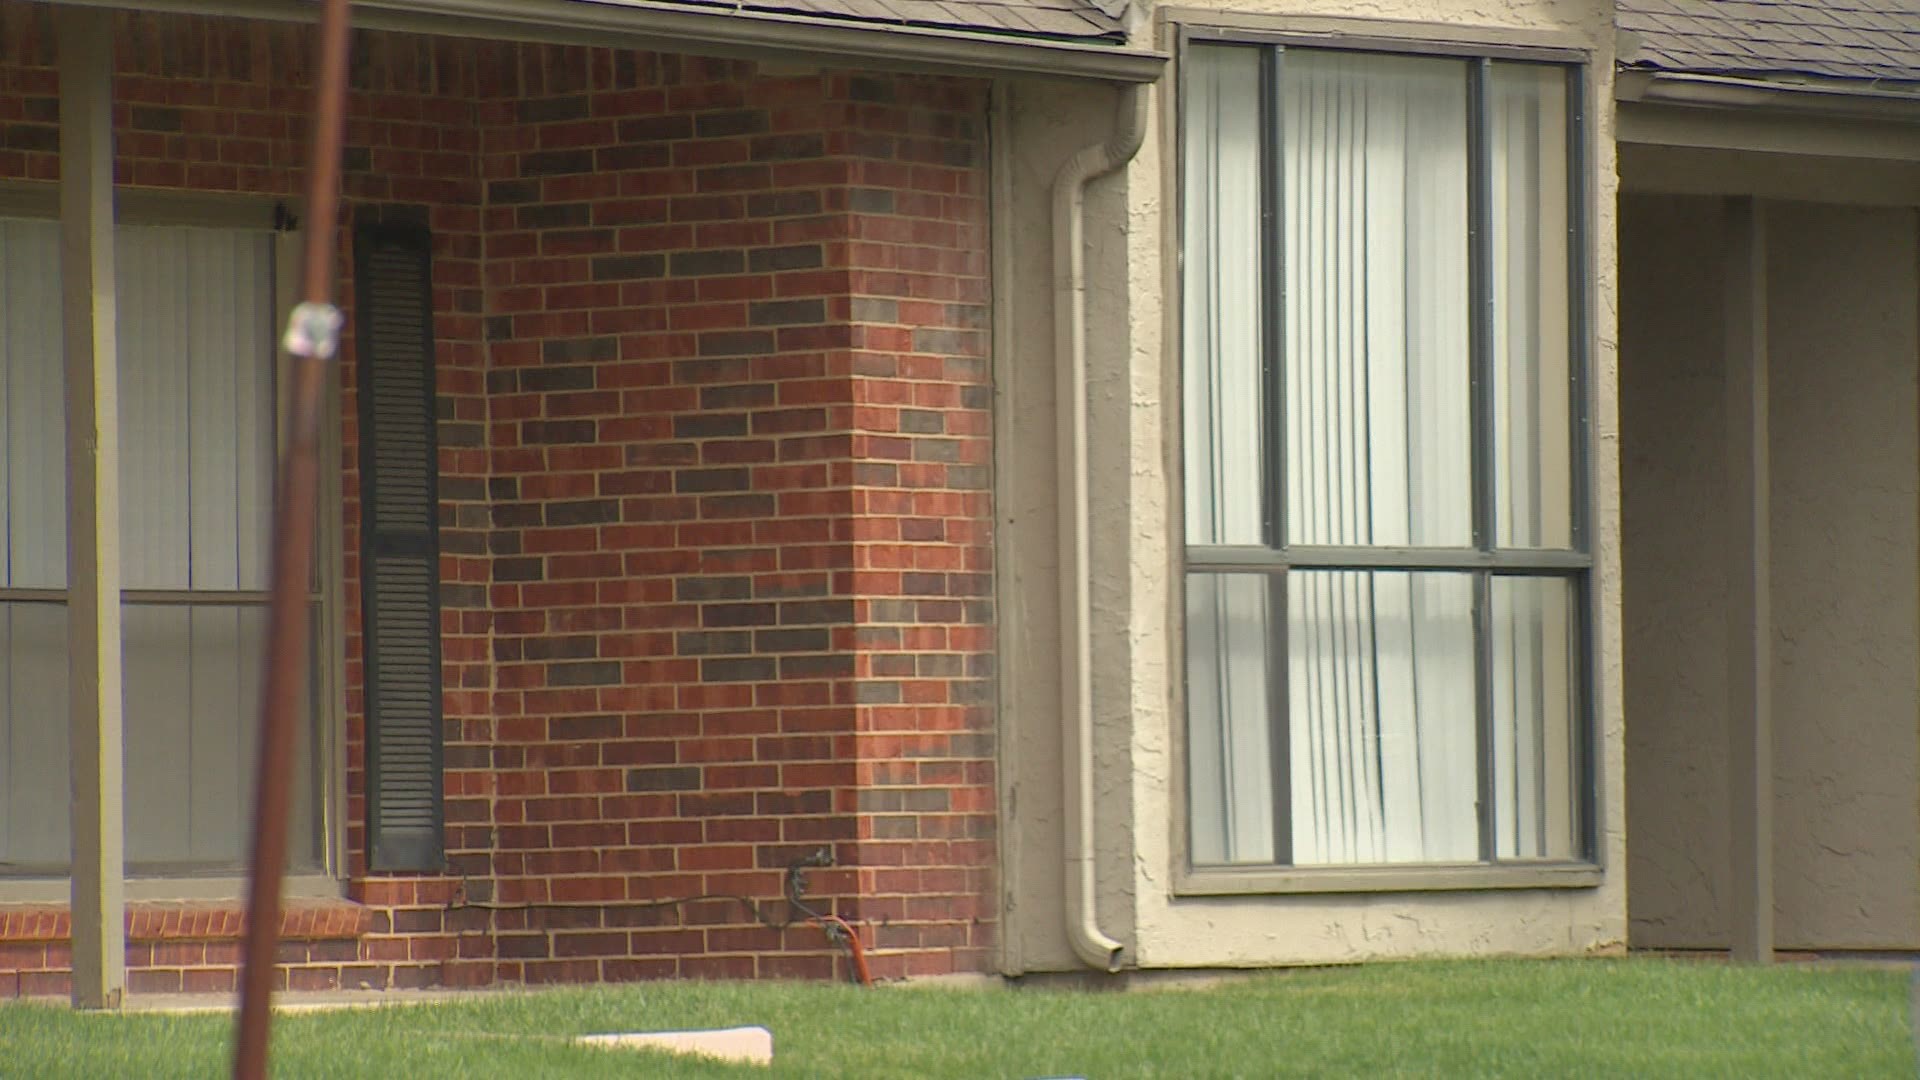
[[1639, 1017]]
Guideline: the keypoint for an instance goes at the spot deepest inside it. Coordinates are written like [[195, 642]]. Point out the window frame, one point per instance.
[[146, 207], [1579, 564]]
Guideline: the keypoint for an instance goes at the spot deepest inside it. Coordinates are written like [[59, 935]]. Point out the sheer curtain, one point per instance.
[[1534, 625], [1228, 647], [1368, 688], [1379, 452], [1379, 665]]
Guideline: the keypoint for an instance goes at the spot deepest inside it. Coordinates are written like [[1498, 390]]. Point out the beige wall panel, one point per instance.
[[1685, 170], [1846, 679], [1674, 519], [1047, 123], [1841, 290]]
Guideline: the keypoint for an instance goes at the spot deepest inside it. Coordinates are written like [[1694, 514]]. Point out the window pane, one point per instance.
[[1380, 686], [33, 477], [1230, 718], [196, 406], [33, 738], [1378, 446], [1225, 466], [192, 689], [1535, 693], [1532, 437]]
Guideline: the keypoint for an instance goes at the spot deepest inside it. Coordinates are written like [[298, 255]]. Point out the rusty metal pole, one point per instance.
[[312, 334]]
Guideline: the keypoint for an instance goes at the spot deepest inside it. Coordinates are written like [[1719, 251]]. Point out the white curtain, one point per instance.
[[1381, 717], [1379, 452], [195, 339], [1228, 649], [1535, 663], [1380, 667], [1379, 443], [1527, 110], [1533, 621]]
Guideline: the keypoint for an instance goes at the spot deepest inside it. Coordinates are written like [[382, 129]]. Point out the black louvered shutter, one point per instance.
[[399, 545]]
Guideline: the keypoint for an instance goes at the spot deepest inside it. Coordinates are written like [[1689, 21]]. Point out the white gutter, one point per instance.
[[1827, 97], [1076, 631], [715, 31]]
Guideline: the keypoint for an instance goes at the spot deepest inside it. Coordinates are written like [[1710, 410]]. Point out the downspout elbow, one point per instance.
[[1093, 946]]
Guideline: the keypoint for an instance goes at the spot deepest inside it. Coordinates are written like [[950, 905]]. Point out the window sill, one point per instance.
[[56, 891], [1239, 881], [308, 920]]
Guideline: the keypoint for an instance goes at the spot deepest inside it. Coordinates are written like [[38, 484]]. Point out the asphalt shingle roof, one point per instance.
[[1836, 39], [1070, 19]]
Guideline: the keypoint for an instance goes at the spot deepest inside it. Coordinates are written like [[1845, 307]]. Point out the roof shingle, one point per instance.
[[1838, 39]]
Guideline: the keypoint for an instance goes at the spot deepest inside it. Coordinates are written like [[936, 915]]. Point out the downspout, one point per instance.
[[1076, 633]]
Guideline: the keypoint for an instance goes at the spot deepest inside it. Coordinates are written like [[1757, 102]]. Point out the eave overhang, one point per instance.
[[717, 31]]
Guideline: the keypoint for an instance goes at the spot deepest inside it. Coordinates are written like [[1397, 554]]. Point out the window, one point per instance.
[[1383, 413], [196, 322]]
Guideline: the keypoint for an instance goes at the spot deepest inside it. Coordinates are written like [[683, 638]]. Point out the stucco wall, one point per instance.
[[1674, 435], [1047, 122], [1842, 292], [1133, 422], [1842, 325]]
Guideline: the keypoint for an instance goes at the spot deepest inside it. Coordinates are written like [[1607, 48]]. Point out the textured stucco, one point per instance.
[[1674, 425], [1133, 422], [1046, 123], [1675, 170], [1846, 598], [1841, 294]]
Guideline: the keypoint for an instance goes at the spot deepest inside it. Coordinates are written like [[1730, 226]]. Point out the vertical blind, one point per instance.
[[1350, 696], [33, 551], [196, 398]]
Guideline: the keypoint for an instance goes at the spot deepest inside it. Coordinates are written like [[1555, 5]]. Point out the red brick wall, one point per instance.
[[738, 434], [921, 575], [714, 454]]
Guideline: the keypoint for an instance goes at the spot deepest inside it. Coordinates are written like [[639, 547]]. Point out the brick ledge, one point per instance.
[[149, 921]]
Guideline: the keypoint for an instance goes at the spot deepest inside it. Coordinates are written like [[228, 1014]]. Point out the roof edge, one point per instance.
[[652, 25], [1835, 97]]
